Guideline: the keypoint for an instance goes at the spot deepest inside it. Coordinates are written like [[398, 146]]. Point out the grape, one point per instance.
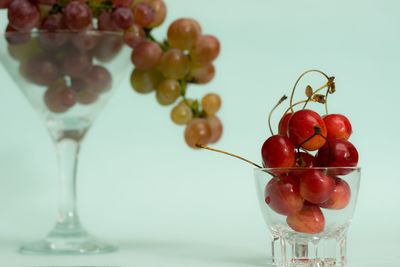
[[134, 36], [77, 16], [145, 81], [4, 4], [211, 103], [51, 24], [202, 74], [23, 15], [104, 22], [84, 94], [85, 40], [59, 98], [198, 131], [108, 47], [143, 15], [99, 78], [174, 64], [206, 50], [42, 70], [121, 3], [76, 63], [14, 37], [216, 128], [45, 2], [122, 18], [183, 33], [160, 12], [168, 91], [25, 51], [146, 55], [181, 114]]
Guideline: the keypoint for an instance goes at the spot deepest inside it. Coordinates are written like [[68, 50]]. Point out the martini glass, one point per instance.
[[67, 77]]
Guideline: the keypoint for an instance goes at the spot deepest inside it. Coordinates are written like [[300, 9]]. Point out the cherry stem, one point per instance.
[[229, 154], [317, 131], [326, 102], [283, 98], [295, 104], [299, 79], [317, 91]]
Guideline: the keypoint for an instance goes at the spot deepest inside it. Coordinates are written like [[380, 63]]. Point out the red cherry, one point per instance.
[[337, 153], [282, 195], [302, 126], [340, 197], [316, 187], [304, 160], [309, 220], [283, 123], [338, 126], [278, 152]]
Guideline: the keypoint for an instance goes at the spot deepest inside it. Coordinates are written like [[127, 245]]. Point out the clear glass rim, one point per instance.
[[268, 170], [66, 32]]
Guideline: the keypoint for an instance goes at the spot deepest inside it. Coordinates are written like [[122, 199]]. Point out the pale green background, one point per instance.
[[167, 205]]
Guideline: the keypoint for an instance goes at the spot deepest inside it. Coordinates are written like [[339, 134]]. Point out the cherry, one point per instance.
[[283, 123], [304, 160], [316, 187], [310, 220], [337, 153], [283, 196], [303, 127], [340, 197], [278, 152], [338, 126]]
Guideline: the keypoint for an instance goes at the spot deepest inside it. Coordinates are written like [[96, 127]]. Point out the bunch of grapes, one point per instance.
[[167, 67]]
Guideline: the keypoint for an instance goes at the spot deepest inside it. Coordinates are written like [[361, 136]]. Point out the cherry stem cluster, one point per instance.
[[329, 85]]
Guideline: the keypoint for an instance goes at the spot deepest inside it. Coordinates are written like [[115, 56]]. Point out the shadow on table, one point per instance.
[[211, 253]]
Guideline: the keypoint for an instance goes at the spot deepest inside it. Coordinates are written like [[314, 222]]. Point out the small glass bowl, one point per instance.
[[304, 233]]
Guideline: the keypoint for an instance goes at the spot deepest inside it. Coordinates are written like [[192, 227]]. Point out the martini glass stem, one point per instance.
[[67, 154]]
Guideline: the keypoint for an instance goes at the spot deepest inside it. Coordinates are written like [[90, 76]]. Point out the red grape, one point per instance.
[[77, 16], [23, 15], [122, 18], [146, 55]]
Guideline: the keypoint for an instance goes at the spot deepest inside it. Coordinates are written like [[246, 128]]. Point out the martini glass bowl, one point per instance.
[[306, 234], [67, 77]]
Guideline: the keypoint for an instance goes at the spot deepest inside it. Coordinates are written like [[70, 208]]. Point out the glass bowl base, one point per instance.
[[300, 251]]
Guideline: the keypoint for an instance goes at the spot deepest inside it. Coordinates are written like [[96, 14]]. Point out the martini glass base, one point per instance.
[[68, 242]]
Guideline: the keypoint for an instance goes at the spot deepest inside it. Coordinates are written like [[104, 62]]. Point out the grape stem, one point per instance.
[[283, 98], [163, 45], [229, 154]]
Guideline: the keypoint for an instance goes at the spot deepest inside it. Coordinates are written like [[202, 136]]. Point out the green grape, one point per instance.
[[211, 103], [202, 74], [168, 91], [183, 33], [216, 128], [174, 64], [146, 55], [206, 50], [145, 81], [181, 114], [160, 12], [198, 131]]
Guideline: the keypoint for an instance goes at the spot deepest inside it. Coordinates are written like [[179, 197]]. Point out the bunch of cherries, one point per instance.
[[166, 67], [306, 140], [300, 195]]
